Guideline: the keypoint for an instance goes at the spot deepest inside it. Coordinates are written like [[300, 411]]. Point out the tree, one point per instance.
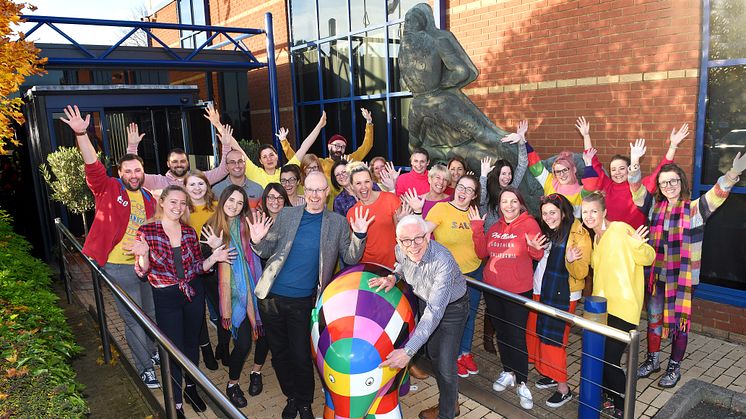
[[65, 176], [18, 59]]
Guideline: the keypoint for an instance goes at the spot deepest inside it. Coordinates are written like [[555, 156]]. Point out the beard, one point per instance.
[[130, 187], [179, 171]]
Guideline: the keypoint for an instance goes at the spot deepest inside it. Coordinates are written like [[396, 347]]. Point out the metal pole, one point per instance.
[[630, 386], [274, 106], [63, 266], [168, 385], [101, 316]]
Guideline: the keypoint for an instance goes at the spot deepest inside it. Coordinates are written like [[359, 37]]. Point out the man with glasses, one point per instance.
[[437, 281], [237, 176], [302, 246]]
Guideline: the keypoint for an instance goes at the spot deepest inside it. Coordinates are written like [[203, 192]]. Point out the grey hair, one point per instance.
[[441, 170], [409, 220]]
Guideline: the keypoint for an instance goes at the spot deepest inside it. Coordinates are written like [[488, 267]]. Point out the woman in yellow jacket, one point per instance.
[[619, 254], [559, 279]]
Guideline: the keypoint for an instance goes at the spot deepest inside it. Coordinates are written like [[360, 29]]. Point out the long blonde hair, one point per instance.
[[165, 192]]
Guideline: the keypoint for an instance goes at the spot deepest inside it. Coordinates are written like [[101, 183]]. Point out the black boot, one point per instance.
[[255, 383], [208, 357], [192, 397]]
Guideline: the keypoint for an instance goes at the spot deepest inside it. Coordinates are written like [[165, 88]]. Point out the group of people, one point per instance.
[[259, 246]]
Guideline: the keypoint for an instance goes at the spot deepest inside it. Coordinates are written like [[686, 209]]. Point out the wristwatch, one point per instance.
[[409, 351]]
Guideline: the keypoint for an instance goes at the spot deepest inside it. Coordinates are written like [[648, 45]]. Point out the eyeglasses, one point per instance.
[[342, 174], [462, 188], [310, 169], [417, 240], [561, 172], [235, 162], [667, 183], [337, 146], [289, 181], [316, 191], [275, 198]]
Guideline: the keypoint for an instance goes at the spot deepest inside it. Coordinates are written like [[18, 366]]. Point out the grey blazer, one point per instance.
[[336, 240]]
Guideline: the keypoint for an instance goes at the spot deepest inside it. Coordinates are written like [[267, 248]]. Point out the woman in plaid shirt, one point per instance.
[[167, 251]]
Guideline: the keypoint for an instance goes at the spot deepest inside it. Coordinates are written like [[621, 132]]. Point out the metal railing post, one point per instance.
[[101, 316], [167, 383], [630, 386], [274, 107], [63, 266]]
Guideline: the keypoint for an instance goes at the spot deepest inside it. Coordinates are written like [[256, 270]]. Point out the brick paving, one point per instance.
[[708, 359]]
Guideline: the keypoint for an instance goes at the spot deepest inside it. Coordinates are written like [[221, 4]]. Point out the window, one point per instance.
[[192, 12]]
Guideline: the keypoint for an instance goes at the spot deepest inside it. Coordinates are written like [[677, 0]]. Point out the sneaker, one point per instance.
[[469, 364], [255, 383], [505, 380], [652, 364], [527, 402], [192, 397], [461, 368], [546, 382], [558, 399], [618, 414], [156, 359], [235, 395], [305, 412], [290, 409], [148, 377], [672, 375]]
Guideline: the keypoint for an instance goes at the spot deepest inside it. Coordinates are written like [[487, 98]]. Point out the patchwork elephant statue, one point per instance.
[[353, 329]]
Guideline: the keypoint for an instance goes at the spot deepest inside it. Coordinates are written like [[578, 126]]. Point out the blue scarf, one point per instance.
[[555, 292]]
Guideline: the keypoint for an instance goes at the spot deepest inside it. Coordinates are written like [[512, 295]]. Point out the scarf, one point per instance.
[[238, 280], [673, 252], [555, 292]]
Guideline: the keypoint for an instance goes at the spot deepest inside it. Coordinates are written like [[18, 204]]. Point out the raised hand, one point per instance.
[[403, 210], [641, 233], [588, 155], [415, 202], [486, 166], [389, 176], [678, 136], [212, 115], [260, 227], [512, 138], [361, 221], [226, 135], [221, 254], [348, 158], [322, 120], [572, 254], [538, 242], [133, 138], [637, 150], [74, 120], [739, 163], [282, 134], [522, 129], [583, 126], [210, 238], [366, 114], [474, 214], [136, 247]]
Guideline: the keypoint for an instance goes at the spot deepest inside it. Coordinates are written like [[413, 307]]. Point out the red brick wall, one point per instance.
[[720, 320]]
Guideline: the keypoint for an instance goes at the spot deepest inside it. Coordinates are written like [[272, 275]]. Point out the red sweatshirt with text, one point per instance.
[[509, 266]]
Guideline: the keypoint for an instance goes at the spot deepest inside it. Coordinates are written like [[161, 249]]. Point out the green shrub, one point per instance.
[[36, 379]]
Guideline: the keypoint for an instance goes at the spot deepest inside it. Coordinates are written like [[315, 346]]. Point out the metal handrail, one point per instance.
[[632, 338], [168, 347]]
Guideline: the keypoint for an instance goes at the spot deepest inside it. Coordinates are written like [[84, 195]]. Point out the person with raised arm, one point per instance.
[[302, 246], [122, 206], [337, 145], [439, 178], [177, 163], [677, 225], [620, 253], [615, 187]]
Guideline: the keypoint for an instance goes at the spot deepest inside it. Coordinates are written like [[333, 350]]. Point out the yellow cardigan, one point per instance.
[[578, 269]]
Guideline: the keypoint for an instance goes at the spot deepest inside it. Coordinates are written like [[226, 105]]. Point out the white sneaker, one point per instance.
[[505, 380], [527, 402]]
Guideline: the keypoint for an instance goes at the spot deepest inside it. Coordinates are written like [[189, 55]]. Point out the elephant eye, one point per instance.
[[369, 381], [331, 378]]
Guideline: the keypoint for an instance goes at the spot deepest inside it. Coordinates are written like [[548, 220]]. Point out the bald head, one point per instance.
[[316, 192]]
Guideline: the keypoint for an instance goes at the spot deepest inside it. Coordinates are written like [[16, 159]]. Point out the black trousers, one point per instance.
[[614, 377], [287, 326], [509, 321], [180, 320]]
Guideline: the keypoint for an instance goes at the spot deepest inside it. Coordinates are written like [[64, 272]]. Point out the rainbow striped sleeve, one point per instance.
[[536, 166]]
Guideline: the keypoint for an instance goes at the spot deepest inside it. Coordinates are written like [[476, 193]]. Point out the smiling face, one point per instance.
[[413, 234], [337, 149], [510, 206], [562, 173], [178, 164], [132, 175], [268, 159], [233, 205], [593, 214], [316, 192], [464, 193], [236, 164], [275, 202], [362, 185], [340, 173], [505, 177], [377, 167], [670, 185], [173, 205], [289, 182], [419, 162], [551, 215], [619, 170], [196, 188], [438, 183], [457, 170]]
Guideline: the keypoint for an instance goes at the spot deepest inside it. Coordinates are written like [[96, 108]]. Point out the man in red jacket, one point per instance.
[[122, 206]]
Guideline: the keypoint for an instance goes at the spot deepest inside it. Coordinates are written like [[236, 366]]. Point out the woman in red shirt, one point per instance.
[[509, 267]]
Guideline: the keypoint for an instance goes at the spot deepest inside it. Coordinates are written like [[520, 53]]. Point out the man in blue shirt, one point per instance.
[[302, 247]]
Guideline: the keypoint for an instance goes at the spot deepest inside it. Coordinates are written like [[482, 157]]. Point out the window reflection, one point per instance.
[[723, 249], [366, 13], [335, 59], [400, 129], [377, 109], [395, 83], [308, 116], [369, 53], [303, 21], [306, 66], [727, 29], [398, 8], [332, 18]]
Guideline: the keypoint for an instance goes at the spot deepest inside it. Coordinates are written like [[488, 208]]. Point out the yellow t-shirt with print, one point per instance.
[[137, 218]]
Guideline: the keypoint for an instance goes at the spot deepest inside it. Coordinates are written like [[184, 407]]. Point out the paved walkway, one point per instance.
[[708, 359]]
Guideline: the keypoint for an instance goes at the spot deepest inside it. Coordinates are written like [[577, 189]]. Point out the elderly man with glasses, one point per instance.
[[437, 281]]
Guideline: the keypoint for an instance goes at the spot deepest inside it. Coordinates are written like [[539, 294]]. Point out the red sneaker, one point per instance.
[[461, 369], [468, 362]]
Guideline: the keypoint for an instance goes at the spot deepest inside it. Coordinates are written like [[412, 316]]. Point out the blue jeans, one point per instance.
[[474, 296]]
